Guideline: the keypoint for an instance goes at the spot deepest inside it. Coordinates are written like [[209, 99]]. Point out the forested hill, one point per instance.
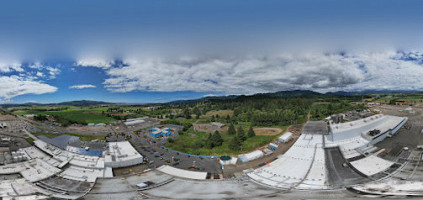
[[281, 94], [281, 108]]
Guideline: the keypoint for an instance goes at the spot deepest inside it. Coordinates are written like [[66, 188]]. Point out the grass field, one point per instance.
[[221, 113], [75, 114], [189, 143]]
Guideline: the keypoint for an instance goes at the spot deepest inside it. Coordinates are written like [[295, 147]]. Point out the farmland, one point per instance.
[[78, 115]]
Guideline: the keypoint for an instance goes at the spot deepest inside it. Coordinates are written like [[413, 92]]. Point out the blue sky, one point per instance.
[[158, 51]]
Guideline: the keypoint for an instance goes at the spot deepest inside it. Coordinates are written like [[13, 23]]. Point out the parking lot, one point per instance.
[[156, 155]]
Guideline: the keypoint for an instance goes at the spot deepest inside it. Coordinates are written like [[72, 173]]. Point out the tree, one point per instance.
[[231, 130], [187, 114], [214, 140], [235, 144], [241, 134], [251, 132], [217, 139], [237, 111], [197, 112], [209, 141]]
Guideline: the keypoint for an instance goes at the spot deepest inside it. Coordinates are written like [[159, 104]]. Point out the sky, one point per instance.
[[159, 51]]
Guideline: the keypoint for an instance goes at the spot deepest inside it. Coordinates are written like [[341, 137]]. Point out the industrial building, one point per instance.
[[157, 132], [332, 155], [135, 121]]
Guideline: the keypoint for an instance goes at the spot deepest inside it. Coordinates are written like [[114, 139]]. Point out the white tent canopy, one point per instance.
[[285, 137], [251, 156]]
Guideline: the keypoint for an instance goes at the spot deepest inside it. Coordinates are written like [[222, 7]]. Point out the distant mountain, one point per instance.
[[84, 103], [365, 92], [280, 94], [203, 99], [292, 93], [67, 103]]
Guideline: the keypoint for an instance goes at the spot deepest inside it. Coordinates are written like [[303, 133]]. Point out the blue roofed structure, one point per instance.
[[157, 132]]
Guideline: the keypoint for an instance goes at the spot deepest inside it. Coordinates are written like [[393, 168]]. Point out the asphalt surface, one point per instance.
[[157, 156]]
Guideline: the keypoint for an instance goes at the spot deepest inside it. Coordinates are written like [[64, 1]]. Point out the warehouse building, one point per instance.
[[333, 156]]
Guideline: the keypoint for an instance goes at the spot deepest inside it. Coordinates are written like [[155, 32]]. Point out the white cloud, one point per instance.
[[94, 62], [10, 67], [40, 74], [253, 74], [82, 86], [53, 72], [12, 86], [36, 65]]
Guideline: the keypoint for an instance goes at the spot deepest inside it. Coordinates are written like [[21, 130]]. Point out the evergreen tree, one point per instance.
[[197, 112], [235, 144], [187, 114], [241, 134], [217, 139], [251, 132], [209, 141], [231, 130]]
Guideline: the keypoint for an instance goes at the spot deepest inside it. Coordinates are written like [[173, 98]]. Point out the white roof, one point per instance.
[[182, 173], [122, 154], [371, 165], [32, 170], [355, 128], [37, 170], [82, 174], [307, 155], [286, 136], [16, 187], [134, 122], [250, 156]]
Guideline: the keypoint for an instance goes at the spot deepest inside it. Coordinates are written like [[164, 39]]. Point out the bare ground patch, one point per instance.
[[267, 131], [207, 128], [221, 113]]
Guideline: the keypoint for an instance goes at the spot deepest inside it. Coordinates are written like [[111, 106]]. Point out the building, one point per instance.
[[122, 154], [135, 121], [157, 132], [367, 128], [333, 156], [217, 124]]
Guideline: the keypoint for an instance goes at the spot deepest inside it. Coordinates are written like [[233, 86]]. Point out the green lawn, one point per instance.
[[30, 140], [189, 143]]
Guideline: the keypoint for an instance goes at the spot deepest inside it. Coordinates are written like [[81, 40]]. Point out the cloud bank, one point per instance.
[[254, 74], [19, 79], [12, 86]]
